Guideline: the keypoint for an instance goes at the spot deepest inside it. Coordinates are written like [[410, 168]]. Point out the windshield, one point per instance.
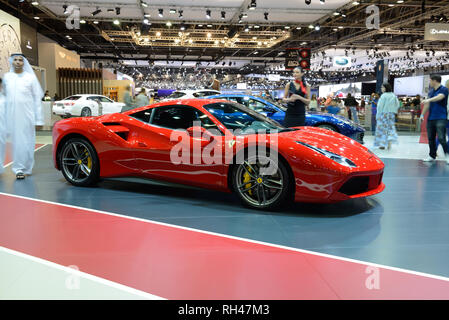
[[176, 95], [235, 116]]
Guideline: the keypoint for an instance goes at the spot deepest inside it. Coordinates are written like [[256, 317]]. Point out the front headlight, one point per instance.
[[333, 156]]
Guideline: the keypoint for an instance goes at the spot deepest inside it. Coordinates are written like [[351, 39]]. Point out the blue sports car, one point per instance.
[[276, 112]]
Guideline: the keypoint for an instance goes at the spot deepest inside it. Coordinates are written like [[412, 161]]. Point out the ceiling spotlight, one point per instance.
[[64, 8], [253, 5], [245, 15], [116, 22], [146, 21], [183, 27], [266, 15], [82, 21], [223, 15], [180, 13], [35, 3], [317, 27], [400, 1], [161, 12], [336, 13], [172, 11], [311, 26], [246, 28], [96, 22], [308, 2], [168, 24], [158, 34], [208, 14], [356, 3], [117, 10], [36, 18], [322, 1], [143, 4], [94, 13]]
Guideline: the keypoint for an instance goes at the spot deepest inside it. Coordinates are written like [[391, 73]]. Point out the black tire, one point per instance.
[[86, 112], [327, 127], [273, 191], [79, 162]]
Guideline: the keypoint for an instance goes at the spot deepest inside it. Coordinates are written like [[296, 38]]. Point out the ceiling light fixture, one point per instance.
[[223, 15], [172, 11], [117, 10], [253, 5], [168, 24], [208, 14], [143, 4], [35, 3], [116, 22], [322, 1], [308, 2], [266, 15], [181, 13], [161, 13]]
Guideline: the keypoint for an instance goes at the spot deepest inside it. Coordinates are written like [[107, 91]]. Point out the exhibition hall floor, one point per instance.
[[133, 240]]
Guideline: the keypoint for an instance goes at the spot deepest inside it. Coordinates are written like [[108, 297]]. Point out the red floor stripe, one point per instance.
[[176, 263], [8, 156]]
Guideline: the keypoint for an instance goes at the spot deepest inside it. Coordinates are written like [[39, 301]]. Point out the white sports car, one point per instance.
[[86, 105], [191, 94]]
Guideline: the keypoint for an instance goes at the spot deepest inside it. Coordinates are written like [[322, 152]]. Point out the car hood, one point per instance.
[[330, 141]]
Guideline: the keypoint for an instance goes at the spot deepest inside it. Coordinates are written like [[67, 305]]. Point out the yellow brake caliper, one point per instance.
[[247, 178], [89, 160]]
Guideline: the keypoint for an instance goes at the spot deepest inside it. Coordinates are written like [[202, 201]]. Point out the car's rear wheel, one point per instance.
[[79, 162], [86, 112], [328, 127], [260, 187]]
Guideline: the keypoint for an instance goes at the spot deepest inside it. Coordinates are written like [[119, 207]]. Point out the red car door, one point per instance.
[[160, 141]]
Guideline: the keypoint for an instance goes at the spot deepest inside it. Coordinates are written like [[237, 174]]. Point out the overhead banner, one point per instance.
[[436, 31], [297, 57], [342, 62], [381, 74]]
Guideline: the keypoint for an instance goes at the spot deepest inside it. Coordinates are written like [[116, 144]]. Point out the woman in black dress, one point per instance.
[[297, 96]]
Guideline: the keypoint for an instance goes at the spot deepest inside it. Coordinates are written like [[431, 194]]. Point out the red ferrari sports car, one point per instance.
[[307, 164]]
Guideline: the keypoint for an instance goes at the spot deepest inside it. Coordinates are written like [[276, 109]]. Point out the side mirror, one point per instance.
[[200, 133]]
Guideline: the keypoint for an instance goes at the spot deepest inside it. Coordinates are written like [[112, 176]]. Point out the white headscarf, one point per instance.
[[26, 68]]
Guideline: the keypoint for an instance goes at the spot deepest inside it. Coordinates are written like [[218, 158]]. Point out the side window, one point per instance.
[[143, 116], [256, 105], [239, 100], [104, 99], [174, 117]]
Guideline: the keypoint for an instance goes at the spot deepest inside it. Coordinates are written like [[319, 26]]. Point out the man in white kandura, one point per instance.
[[23, 95]]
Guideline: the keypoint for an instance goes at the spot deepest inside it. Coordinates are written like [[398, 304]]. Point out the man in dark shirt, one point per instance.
[[351, 104], [436, 104]]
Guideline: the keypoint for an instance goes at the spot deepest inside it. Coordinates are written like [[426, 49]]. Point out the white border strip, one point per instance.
[[84, 275], [238, 238], [10, 163]]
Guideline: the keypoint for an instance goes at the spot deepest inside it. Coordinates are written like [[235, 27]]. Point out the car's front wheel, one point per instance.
[[262, 182], [79, 162]]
